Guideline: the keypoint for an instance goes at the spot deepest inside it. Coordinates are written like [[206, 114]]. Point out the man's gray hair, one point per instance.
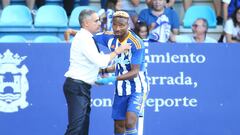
[[85, 14], [204, 21]]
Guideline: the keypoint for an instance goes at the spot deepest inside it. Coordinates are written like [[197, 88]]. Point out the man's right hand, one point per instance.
[[123, 48]]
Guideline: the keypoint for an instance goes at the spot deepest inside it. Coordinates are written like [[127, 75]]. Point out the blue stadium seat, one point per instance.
[[16, 16], [199, 11], [73, 21], [47, 39], [51, 16], [12, 39]]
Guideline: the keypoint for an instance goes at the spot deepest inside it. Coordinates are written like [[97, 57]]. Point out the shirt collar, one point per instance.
[[125, 38], [193, 39], [151, 10], [86, 32]]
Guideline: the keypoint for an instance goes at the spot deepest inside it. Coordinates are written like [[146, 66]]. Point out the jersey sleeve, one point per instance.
[[137, 56], [137, 50], [103, 38]]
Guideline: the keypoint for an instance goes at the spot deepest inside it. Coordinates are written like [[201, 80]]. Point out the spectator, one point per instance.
[[160, 20], [5, 3], [68, 5], [199, 28], [150, 15], [148, 2], [106, 15], [169, 3], [129, 7], [103, 4], [229, 7], [141, 30], [30, 3], [232, 28], [217, 6]]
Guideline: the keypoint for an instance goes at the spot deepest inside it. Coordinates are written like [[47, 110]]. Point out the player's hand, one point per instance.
[[103, 81]]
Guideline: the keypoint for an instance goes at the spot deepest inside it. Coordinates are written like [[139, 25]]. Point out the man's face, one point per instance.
[[120, 26], [238, 16], [94, 23], [158, 5], [199, 27]]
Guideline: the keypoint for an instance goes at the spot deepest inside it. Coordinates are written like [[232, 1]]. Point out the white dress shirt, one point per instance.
[[190, 39], [226, 1], [229, 28], [85, 60]]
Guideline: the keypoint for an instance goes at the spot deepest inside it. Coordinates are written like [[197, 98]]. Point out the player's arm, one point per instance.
[[103, 38], [135, 68], [136, 60], [110, 69]]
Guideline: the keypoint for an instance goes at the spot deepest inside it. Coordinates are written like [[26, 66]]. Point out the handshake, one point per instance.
[[103, 81]]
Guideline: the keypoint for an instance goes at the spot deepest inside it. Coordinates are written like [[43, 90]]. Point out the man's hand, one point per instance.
[[106, 80], [123, 48]]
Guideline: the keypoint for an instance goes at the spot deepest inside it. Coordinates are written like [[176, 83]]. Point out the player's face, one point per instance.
[[120, 26]]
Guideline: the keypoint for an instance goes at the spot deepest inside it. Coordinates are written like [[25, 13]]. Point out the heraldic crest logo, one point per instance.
[[13, 82]]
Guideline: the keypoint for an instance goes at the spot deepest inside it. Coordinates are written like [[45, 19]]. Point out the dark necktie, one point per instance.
[[96, 44]]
